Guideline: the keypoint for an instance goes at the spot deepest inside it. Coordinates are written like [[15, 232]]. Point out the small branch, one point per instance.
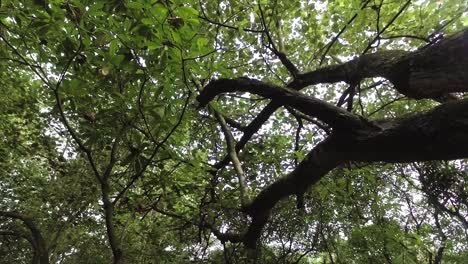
[[443, 239], [251, 129], [300, 115], [65, 120], [267, 64], [352, 92], [369, 46], [140, 106], [205, 18], [334, 39], [113, 154], [33, 67], [223, 237], [230, 142], [233, 123], [300, 125], [445, 24], [385, 105], [349, 93], [280, 54], [138, 174]]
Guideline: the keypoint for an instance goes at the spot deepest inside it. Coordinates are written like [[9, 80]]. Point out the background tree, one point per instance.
[[233, 131]]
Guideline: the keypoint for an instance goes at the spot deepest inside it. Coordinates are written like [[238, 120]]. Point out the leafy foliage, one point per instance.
[[106, 153]]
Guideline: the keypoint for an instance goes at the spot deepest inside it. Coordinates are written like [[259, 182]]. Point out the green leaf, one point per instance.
[[135, 5], [202, 42], [153, 45], [187, 12], [113, 47]]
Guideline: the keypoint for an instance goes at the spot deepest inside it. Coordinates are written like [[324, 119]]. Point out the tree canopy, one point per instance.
[[233, 131]]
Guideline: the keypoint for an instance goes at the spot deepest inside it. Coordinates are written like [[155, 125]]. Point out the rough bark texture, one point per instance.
[[328, 113], [438, 134], [110, 226], [429, 72], [435, 70]]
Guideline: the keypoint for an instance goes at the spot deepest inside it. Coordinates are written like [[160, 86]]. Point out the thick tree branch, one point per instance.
[[326, 75], [328, 113], [430, 72], [365, 66], [330, 74], [439, 134]]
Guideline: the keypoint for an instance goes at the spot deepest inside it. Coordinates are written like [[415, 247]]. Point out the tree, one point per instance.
[[433, 135], [178, 131]]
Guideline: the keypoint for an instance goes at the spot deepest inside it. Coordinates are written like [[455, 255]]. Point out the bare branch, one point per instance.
[[328, 113], [230, 142], [300, 115]]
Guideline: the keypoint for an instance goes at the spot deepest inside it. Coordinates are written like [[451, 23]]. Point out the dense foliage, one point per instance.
[[107, 155]]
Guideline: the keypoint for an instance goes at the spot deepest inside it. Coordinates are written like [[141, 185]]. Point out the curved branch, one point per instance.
[[431, 72], [38, 242]]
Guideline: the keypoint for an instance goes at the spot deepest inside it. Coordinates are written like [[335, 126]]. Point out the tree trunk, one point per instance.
[[108, 216]]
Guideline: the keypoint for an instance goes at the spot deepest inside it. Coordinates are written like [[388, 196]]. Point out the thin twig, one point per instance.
[[334, 39], [369, 46]]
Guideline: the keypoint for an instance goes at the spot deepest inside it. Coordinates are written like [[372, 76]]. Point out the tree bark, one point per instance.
[[439, 134], [429, 72], [110, 227]]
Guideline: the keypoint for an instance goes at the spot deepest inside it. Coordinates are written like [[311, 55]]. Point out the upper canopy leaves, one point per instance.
[[121, 120]]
